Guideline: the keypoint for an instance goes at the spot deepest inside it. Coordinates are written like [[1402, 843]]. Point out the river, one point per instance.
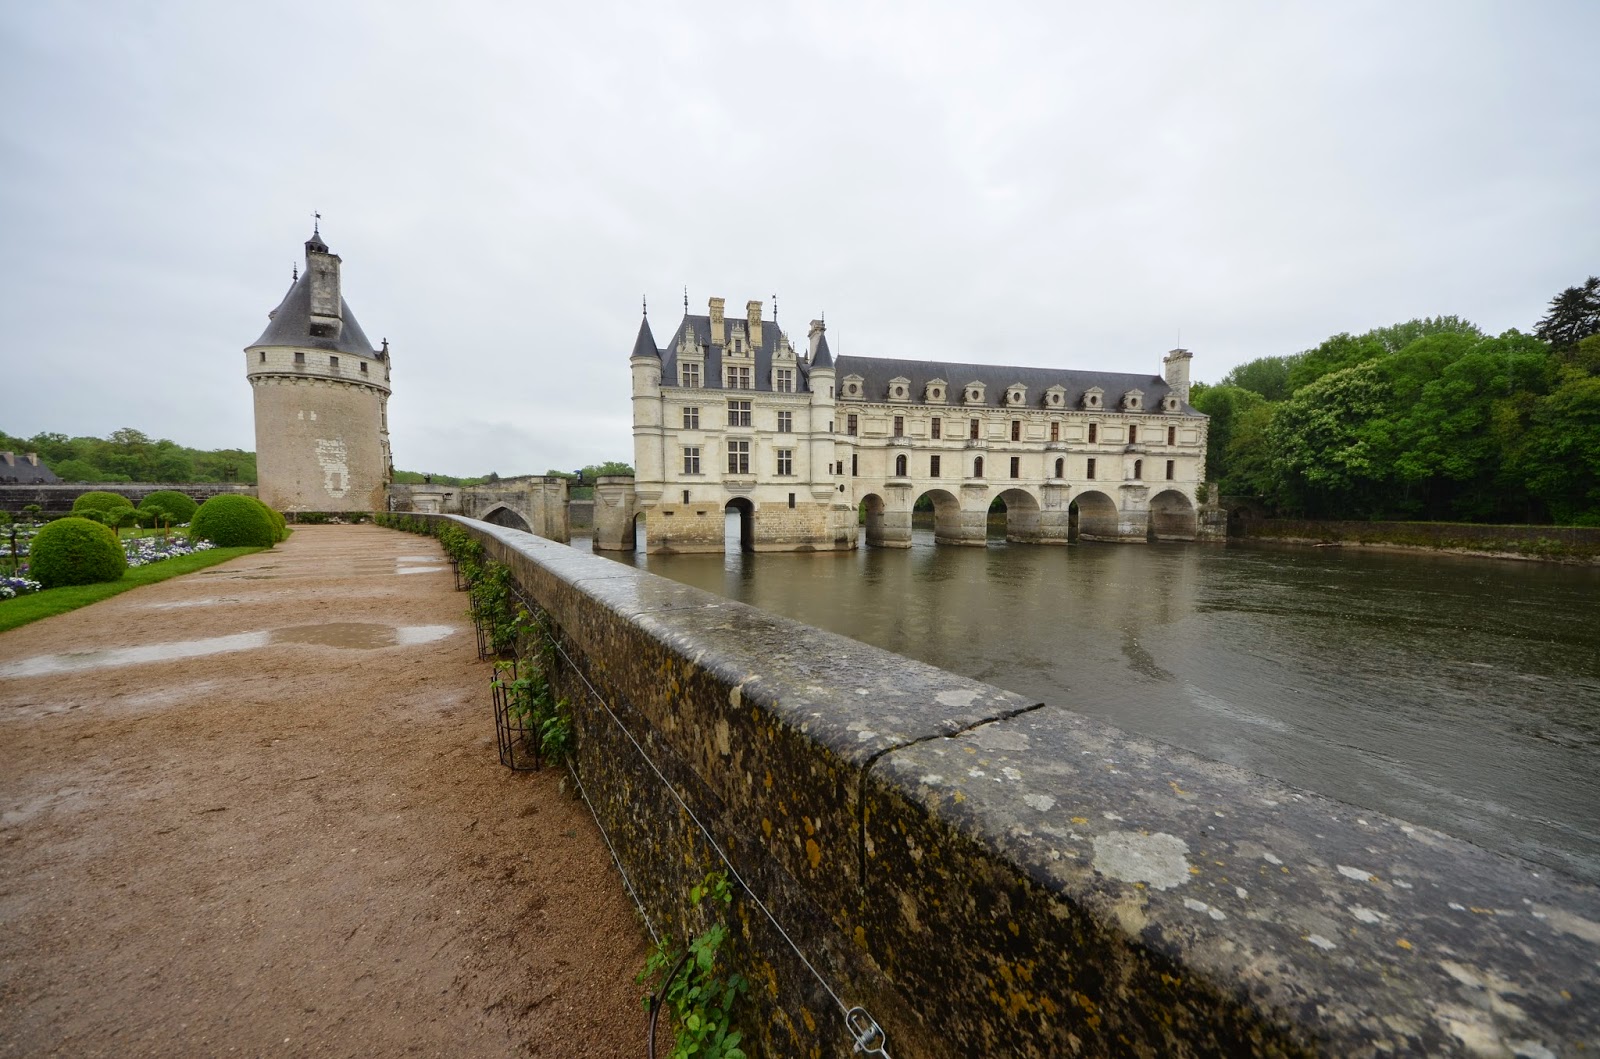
[[1455, 692]]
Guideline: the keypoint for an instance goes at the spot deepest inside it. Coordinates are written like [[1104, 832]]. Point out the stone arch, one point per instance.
[[1022, 513], [873, 513], [641, 533], [1096, 516], [507, 516], [1172, 517], [746, 512], [947, 521]]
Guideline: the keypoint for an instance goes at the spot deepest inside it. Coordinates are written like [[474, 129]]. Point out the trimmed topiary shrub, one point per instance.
[[233, 521], [177, 507], [280, 525], [76, 551], [98, 500]]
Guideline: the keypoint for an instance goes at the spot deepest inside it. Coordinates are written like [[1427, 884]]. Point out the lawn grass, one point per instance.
[[52, 601]]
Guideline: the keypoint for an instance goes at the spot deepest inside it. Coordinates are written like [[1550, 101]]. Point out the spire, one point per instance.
[[821, 357], [315, 243], [645, 344]]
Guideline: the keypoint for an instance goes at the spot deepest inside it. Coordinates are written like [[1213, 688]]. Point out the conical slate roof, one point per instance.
[[645, 344], [823, 358], [291, 325]]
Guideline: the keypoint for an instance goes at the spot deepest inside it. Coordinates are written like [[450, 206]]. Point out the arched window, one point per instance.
[[1061, 466], [977, 467], [900, 466], [1138, 469]]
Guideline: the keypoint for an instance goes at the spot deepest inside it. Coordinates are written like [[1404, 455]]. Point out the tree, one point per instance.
[[1323, 445], [1267, 376], [1574, 315], [77, 471]]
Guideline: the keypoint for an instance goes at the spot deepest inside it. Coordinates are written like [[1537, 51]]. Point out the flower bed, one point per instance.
[[11, 587], [142, 550]]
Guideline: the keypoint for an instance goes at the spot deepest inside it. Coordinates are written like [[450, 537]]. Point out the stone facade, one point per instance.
[[321, 398], [730, 415]]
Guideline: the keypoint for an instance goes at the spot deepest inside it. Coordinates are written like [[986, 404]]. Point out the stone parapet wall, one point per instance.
[[57, 498], [992, 876]]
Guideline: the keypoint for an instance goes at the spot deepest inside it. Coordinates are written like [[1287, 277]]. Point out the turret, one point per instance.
[[645, 364]]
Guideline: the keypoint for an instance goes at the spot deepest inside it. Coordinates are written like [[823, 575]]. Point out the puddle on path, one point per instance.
[[346, 634], [421, 569]]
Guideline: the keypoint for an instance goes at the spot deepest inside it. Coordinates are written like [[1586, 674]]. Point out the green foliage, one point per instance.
[[700, 996], [1267, 377], [129, 455], [76, 551], [1574, 315], [98, 500], [280, 525], [177, 507], [234, 521]]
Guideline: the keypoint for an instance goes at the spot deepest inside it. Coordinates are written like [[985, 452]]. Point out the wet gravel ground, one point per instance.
[[257, 810]]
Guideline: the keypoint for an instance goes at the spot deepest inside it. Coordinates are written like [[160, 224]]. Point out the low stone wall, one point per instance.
[[991, 876], [56, 499], [580, 516], [1572, 543]]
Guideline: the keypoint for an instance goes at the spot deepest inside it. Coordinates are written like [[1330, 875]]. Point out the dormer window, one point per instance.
[[852, 385], [899, 388], [1092, 397], [934, 390], [1016, 395], [321, 330], [1133, 400], [1055, 397], [1169, 403], [973, 393]]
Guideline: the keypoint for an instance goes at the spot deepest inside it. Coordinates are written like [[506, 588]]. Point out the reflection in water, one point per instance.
[[1459, 693]]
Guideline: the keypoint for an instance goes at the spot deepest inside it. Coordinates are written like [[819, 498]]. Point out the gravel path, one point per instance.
[[299, 842]]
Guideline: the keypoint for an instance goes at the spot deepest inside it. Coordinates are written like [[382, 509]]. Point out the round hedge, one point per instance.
[[175, 506], [234, 521], [98, 500], [76, 551], [280, 525]]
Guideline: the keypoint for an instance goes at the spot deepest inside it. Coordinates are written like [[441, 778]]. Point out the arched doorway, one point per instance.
[[1172, 517], [501, 515], [739, 525], [1022, 515], [1093, 516], [946, 515], [641, 533]]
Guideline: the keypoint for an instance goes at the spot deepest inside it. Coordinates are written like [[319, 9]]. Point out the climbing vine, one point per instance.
[[692, 983]]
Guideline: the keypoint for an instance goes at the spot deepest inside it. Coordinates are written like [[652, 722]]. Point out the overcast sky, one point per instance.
[[1049, 184]]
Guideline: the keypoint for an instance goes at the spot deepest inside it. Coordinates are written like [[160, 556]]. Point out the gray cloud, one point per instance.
[[1025, 183]]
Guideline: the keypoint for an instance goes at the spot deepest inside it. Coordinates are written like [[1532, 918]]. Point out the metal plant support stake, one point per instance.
[[514, 732]]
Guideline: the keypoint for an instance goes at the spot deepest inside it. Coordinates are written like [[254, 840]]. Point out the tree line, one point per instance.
[[1430, 419], [130, 455]]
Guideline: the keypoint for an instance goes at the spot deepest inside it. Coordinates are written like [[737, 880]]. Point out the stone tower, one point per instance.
[[321, 398]]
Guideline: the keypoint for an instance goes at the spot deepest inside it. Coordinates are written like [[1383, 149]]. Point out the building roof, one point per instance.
[[290, 325], [17, 468], [701, 328], [645, 344], [824, 355], [875, 373]]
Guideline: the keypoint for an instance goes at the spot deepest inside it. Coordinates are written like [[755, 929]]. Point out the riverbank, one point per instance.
[[258, 809], [1562, 544]]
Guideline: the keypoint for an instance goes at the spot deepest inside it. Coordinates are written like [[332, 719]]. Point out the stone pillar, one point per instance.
[[1053, 517], [1133, 514], [550, 509], [613, 513]]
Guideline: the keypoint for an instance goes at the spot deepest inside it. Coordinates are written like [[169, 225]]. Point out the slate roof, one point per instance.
[[701, 327], [876, 372], [645, 344], [291, 325], [16, 470]]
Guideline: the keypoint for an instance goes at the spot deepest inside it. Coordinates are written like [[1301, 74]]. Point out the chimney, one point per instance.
[[327, 304], [752, 315], [815, 336], [32, 458], [9, 459], [1175, 369], [719, 332]]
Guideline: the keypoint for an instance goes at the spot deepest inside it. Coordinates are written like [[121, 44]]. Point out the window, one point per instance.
[[830, 393], [900, 466], [691, 460], [1172, 468], [300, 360], [1016, 466], [785, 422], [973, 430], [689, 375], [1061, 467], [1138, 469], [933, 464], [738, 457], [1094, 435], [263, 356], [855, 470], [830, 426], [899, 426], [691, 418], [850, 423], [1133, 434], [333, 363], [791, 501], [977, 467], [786, 461], [938, 428], [363, 367], [785, 381], [1055, 433], [738, 413], [1172, 438], [1090, 472], [1016, 430], [686, 496], [738, 377], [321, 330]]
